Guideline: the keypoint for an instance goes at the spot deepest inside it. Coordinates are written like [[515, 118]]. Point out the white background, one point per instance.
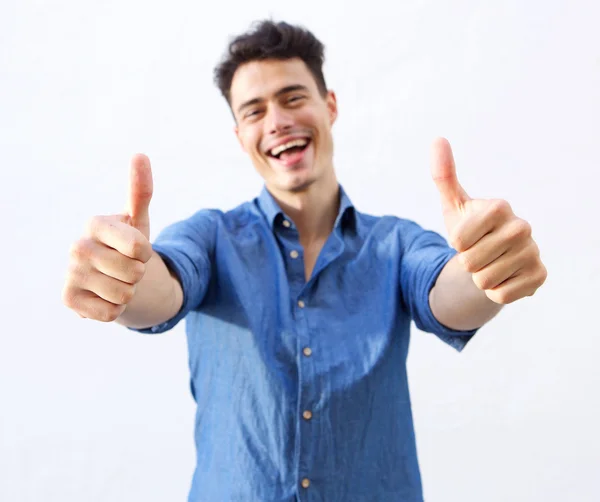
[[92, 412]]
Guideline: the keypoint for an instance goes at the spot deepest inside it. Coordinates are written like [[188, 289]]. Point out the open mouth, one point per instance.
[[291, 153]]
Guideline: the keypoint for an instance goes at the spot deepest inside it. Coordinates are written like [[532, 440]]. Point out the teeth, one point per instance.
[[296, 142]]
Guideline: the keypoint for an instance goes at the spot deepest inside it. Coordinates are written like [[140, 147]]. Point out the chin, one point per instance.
[[297, 184]]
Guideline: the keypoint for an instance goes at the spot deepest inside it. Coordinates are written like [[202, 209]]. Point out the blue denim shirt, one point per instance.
[[301, 387]]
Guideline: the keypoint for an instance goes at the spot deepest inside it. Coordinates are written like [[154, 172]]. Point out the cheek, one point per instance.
[[324, 126], [251, 144], [326, 139]]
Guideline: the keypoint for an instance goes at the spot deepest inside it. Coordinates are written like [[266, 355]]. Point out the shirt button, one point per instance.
[[286, 224], [305, 483], [301, 304], [294, 254], [307, 351], [307, 415]]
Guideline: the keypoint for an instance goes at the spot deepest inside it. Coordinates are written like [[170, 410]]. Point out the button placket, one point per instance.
[[306, 414]]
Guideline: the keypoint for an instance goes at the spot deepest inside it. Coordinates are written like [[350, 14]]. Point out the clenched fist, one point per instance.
[[110, 259]]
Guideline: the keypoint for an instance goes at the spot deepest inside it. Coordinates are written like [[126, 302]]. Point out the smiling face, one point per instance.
[[275, 102]]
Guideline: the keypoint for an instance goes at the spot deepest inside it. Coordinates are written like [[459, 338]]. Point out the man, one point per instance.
[[297, 305]]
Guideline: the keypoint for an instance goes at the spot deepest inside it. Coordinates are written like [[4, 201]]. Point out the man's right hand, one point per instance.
[[107, 263]]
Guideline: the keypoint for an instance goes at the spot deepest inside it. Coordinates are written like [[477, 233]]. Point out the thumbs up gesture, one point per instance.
[[140, 193], [107, 263], [493, 244]]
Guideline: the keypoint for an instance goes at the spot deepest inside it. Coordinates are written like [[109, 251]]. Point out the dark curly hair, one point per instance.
[[270, 40]]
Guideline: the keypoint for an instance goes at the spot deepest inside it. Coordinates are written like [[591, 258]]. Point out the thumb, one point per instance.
[[443, 172], [140, 193]]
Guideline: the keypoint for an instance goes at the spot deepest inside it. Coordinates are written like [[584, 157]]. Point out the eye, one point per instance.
[[253, 112], [294, 98]]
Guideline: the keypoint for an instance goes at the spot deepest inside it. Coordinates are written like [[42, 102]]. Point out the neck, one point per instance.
[[313, 210]]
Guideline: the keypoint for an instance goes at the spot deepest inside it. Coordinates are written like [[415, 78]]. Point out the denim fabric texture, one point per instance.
[[301, 387]]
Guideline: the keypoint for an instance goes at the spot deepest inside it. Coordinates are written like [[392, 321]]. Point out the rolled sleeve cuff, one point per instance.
[[455, 338], [178, 268]]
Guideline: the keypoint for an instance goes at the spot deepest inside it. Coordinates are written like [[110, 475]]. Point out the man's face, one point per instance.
[[278, 101]]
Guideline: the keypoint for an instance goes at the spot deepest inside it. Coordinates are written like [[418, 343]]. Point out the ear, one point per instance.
[[237, 135], [332, 106]]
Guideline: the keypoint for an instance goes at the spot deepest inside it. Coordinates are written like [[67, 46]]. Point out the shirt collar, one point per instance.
[[274, 214]]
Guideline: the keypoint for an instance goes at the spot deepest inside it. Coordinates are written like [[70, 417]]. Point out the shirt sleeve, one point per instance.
[[424, 255], [187, 248]]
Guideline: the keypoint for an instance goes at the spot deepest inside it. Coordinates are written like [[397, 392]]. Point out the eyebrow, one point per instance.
[[283, 90]]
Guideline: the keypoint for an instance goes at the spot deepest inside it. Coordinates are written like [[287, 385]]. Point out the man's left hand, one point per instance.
[[494, 245]]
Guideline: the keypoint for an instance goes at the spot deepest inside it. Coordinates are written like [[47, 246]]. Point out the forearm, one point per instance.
[[158, 297], [457, 303]]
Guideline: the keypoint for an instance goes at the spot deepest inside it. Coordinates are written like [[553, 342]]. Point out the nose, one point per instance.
[[278, 119]]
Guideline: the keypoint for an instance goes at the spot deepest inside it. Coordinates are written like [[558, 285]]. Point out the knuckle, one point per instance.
[[143, 249], [520, 229], [92, 224], [68, 297], [481, 281], [468, 263], [109, 313], [500, 207], [126, 295], [543, 275], [79, 250], [74, 280], [77, 273], [456, 241], [534, 252], [135, 247], [138, 270]]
